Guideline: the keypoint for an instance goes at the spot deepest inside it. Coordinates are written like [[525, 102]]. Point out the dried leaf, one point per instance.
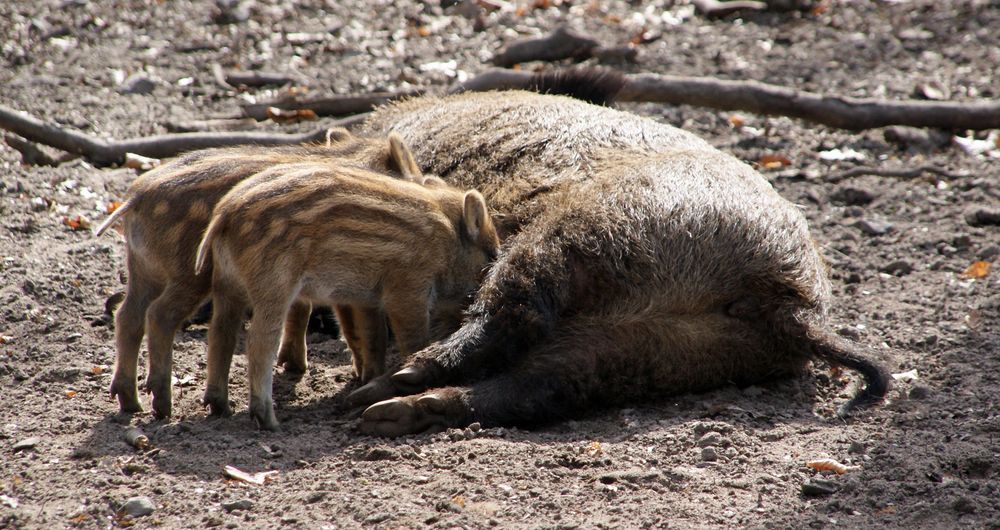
[[71, 393], [458, 500], [594, 449], [977, 270], [97, 370], [773, 161], [4, 339], [737, 121], [829, 464], [256, 478], [290, 116], [80, 519], [77, 224], [520, 11]]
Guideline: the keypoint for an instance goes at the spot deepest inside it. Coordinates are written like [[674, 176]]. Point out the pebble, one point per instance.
[[818, 486], [380, 453], [900, 267], [138, 507], [852, 196], [983, 217], [710, 439], [989, 253], [241, 504], [920, 392], [27, 443], [874, 227], [137, 84], [709, 454]]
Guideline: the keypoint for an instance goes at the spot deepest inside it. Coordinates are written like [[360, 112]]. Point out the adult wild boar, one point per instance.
[[638, 261]]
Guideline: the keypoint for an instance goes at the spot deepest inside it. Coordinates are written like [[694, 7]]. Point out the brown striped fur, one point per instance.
[[163, 217], [307, 233]]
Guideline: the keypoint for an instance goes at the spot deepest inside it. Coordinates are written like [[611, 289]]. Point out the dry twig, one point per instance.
[[102, 152], [715, 8], [327, 106], [901, 173]]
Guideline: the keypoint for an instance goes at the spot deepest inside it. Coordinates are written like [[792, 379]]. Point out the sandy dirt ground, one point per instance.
[[897, 248]]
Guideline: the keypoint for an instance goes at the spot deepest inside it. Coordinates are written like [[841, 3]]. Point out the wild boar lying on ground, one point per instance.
[[298, 234], [638, 261], [164, 217]]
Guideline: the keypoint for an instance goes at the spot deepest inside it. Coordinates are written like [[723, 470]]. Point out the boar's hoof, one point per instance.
[[377, 389], [410, 380], [162, 407], [262, 412], [128, 398], [293, 364], [399, 416], [218, 405]]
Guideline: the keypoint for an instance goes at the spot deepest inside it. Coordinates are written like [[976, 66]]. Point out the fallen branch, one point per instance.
[[32, 155], [752, 96], [911, 173], [102, 152], [841, 112], [327, 106]]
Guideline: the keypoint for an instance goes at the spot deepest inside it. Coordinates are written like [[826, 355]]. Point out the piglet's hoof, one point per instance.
[[399, 416], [377, 389]]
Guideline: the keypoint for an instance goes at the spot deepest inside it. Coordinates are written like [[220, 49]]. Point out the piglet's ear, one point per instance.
[[430, 181], [475, 214], [402, 158]]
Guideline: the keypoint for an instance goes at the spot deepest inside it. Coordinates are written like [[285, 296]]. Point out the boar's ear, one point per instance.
[[402, 158], [335, 135], [430, 181], [475, 215]]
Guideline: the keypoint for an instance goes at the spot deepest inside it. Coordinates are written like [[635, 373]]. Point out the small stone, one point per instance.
[[856, 448], [983, 217], [900, 267], [27, 443], [380, 453], [137, 507], [849, 332], [920, 392], [989, 253], [874, 227], [237, 505], [475, 427], [709, 439], [852, 196], [709, 454], [963, 505], [315, 497], [137, 84], [817, 486]]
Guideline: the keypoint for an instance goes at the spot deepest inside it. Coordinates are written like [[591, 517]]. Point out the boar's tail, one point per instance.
[[206, 243], [832, 348], [594, 85], [115, 215]]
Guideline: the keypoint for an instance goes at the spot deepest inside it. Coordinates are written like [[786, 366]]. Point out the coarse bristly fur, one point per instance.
[[163, 217], [299, 234], [638, 261]]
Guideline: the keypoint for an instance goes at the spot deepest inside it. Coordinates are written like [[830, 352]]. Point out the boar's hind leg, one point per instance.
[[130, 325], [263, 340], [164, 318], [223, 333], [364, 329], [292, 355]]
